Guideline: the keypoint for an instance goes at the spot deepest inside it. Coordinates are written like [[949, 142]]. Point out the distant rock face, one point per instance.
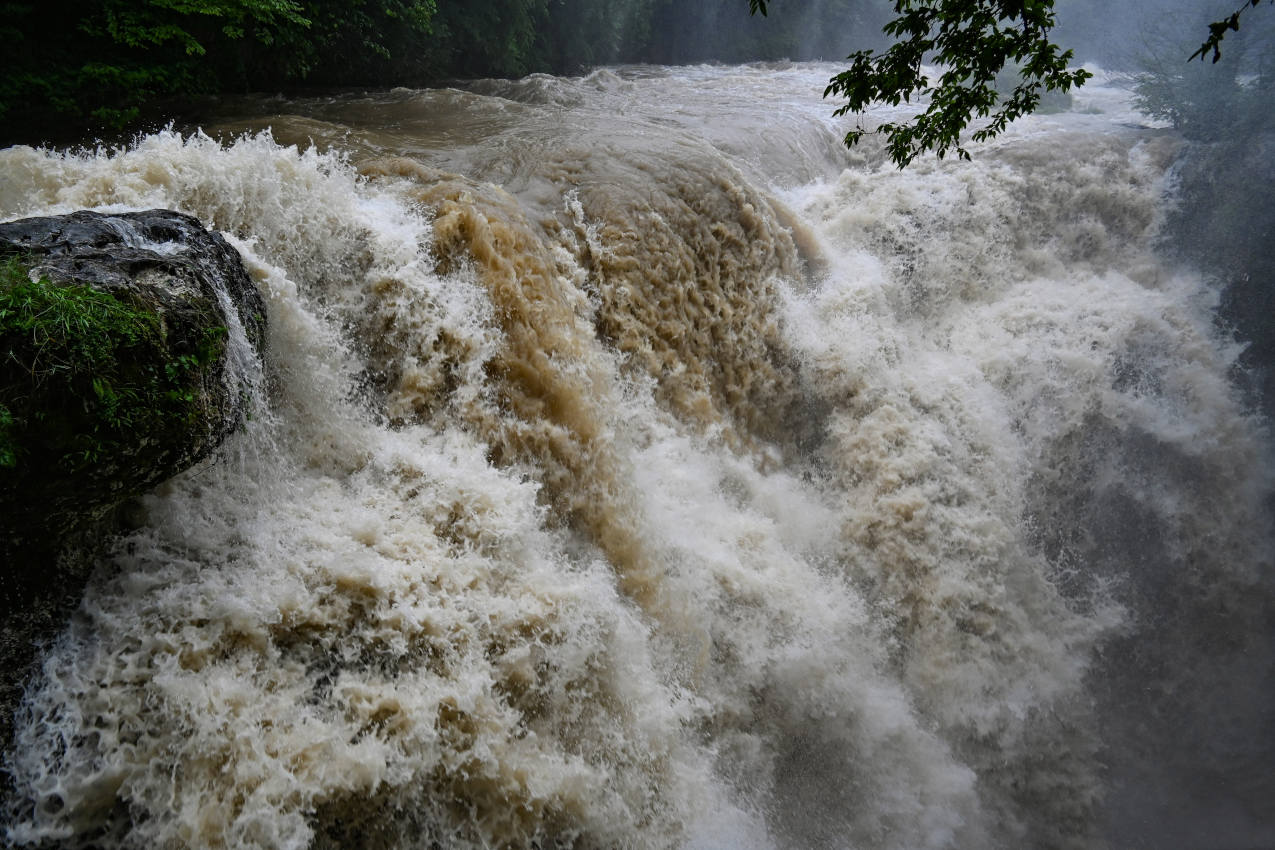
[[116, 332]]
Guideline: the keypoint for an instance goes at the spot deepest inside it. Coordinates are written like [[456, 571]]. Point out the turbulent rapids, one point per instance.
[[636, 467]]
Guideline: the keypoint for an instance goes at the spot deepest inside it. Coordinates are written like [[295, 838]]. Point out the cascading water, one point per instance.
[[639, 468]]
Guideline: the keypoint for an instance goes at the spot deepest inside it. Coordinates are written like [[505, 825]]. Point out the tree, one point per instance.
[[972, 41], [98, 62]]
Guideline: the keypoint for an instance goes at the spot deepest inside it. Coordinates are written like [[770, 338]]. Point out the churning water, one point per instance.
[[639, 468]]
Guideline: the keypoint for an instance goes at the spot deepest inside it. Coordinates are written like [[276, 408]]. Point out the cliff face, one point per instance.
[[117, 373]]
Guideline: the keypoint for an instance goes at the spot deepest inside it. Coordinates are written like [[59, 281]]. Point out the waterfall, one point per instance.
[[637, 467]]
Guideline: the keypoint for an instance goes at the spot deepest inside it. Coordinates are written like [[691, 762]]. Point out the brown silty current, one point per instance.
[[673, 263]]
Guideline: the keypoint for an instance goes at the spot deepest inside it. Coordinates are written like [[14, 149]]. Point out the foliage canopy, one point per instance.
[[100, 61]]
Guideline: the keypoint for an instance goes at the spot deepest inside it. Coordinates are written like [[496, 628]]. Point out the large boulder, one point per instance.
[[120, 369]]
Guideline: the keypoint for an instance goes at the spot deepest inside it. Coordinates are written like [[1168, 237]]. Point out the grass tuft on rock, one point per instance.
[[86, 373]]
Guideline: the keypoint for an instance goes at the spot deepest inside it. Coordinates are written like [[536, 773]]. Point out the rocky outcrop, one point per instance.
[[118, 334]]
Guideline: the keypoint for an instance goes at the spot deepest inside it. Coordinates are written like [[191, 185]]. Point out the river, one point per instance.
[[633, 466]]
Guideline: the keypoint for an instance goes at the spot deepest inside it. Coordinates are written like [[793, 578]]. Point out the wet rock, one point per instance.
[[117, 333]]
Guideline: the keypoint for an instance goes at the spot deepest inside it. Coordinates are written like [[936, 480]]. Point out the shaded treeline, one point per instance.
[[97, 64]]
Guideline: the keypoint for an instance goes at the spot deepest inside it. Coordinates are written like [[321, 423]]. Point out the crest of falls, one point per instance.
[[640, 468]]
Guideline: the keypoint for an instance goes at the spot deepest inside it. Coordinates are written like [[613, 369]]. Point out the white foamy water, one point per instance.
[[639, 468]]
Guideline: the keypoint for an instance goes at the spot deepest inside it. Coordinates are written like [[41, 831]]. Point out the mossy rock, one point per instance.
[[114, 332], [115, 373]]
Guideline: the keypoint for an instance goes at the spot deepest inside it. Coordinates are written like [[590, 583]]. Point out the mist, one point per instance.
[[1125, 36]]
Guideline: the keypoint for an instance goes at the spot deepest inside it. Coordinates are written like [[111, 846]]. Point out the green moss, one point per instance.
[[87, 373]]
